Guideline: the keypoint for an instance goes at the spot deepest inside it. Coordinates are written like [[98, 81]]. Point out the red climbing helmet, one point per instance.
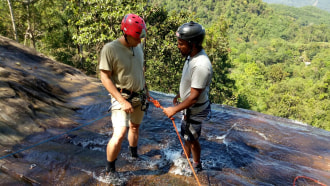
[[134, 26]]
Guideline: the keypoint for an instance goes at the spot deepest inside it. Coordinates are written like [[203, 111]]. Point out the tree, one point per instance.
[[30, 30], [217, 48], [12, 19], [164, 61], [276, 73]]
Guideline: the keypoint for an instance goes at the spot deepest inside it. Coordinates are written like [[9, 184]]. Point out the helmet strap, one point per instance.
[[191, 48], [125, 36], [187, 58], [132, 50]]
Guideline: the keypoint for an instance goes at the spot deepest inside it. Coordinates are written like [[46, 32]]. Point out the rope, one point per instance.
[[52, 138], [294, 182], [157, 104]]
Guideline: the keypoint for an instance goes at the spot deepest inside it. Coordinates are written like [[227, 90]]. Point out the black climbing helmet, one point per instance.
[[191, 32]]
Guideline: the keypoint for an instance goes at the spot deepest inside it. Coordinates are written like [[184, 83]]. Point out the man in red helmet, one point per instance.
[[122, 74]]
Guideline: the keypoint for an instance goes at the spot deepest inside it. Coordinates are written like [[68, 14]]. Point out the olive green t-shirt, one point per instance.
[[125, 64]]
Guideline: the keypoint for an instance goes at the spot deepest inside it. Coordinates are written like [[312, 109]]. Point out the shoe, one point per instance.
[[115, 178], [110, 166], [133, 152], [112, 175], [197, 167]]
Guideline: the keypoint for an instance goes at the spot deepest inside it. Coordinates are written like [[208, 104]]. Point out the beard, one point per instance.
[[184, 54]]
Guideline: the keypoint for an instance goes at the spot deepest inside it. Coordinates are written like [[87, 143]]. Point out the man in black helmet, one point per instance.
[[194, 88]]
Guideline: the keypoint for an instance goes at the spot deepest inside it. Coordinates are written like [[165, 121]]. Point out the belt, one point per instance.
[[128, 92], [199, 104]]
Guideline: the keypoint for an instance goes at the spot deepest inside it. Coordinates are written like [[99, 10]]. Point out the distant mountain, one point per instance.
[[322, 4]]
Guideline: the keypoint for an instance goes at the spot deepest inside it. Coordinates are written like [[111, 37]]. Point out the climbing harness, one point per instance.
[[157, 104], [144, 102], [141, 95], [191, 124]]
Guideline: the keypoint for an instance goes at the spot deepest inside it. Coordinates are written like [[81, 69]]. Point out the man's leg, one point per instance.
[[196, 150], [133, 138], [114, 146], [187, 148], [193, 147]]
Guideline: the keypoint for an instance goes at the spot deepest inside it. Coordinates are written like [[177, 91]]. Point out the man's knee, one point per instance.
[[194, 144], [134, 127], [117, 138]]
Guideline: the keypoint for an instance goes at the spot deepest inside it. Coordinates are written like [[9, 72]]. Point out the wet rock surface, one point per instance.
[[54, 127]]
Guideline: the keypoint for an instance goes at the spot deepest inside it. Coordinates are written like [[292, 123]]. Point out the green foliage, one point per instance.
[[19, 17], [57, 34], [276, 73], [43, 25], [217, 48], [4, 15], [272, 53], [97, 22], [164, 62]]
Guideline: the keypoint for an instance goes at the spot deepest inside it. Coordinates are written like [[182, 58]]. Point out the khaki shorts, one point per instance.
[[120, 118]]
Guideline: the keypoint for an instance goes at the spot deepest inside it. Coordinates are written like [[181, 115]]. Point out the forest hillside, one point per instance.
[[269, 58], [322, 4]]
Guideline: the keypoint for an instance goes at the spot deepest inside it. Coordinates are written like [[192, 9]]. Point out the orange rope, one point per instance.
[[294, 182], [157, 104]]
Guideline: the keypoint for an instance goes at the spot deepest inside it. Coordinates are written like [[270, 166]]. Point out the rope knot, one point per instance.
[[155, 102]]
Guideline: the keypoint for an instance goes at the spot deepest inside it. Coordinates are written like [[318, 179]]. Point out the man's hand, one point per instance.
[[169, 112], [108, 84], [192, 99], [126, 106]]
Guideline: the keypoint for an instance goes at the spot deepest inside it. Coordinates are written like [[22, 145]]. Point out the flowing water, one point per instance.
[[239, 147]]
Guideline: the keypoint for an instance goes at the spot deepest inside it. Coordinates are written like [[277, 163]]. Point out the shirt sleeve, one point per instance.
[[200, 77], [106, 58]]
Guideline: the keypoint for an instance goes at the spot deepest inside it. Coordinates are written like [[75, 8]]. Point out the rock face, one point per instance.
[[33, 91], [54, 128], [36, 93]]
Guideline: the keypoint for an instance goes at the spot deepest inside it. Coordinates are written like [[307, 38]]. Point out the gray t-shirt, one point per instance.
[[197, 73], [125, 65]]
